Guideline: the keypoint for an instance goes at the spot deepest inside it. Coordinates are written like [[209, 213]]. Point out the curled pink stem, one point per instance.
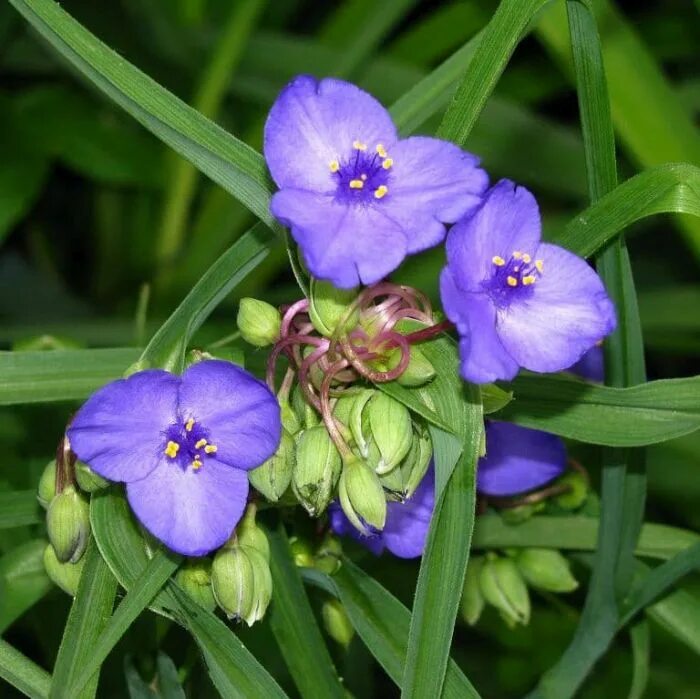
[[327, 412], [298, 307], [282, 345]]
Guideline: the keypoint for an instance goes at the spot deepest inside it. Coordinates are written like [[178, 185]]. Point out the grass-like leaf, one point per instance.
[[19, 671], [19, 508]]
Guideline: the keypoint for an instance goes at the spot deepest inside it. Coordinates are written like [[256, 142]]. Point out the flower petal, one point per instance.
[[345, 244], [313, 123], [240, 412], [119, 429], [407, 523], [482, 354], [432, 182], [518, 459], [567, 313], [591, 366], [342, 526], [191, 512], [508, 220]]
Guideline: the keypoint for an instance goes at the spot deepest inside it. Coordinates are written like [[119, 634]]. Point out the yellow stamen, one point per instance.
[[539, 264], [512, 281], [380, 191], [189, 424], [363, 177], [517, 254], [334, 165], [171, 449], [356, 184], [210, 448], [200, 443], [529, 280], [527, 259], [387, 163], [498, 260], [381, 150], [196, 464], [358, 145]]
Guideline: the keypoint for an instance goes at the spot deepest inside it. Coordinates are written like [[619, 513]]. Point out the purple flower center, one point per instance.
[[363, 176], [187, 444], [513, 278]]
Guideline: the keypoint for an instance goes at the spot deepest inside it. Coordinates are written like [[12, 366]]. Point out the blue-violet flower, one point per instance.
[[516, 301], [518, 459], [356, 197], [406, 527], [182, 445]]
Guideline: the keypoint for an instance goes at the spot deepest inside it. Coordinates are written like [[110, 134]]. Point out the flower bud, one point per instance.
[[343, 408], [359, 422], [88, 480], [273, 477], [259, 322], [65, 575], [416, 464], [241, 583], [521, 513], [504, 588], [327, 558], [546, 569], [391, 427], [249, 534], [578, 490], [307, 415], [68, 524], [47, 485], [472, 598], [194, 577], [337, 622], [290, 419], [316, 471], [329, 308], [301, 552], [419, 370], [362, 497]]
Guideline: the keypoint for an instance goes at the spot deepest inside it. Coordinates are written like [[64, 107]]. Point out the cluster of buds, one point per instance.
[[344, 439], [63, 489], [503, 581]]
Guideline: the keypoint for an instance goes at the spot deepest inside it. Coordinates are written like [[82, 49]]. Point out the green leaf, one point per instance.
[[88, 617], [679, 614], [233, 670], [23, 580], [166, 681], [19, 509], [297, 634], [383, 623], [640, 641], [670, 188], [144, 589], [219, 155], [651, 412], [497, 43], [22, 673], [167, 347], [40, 377]]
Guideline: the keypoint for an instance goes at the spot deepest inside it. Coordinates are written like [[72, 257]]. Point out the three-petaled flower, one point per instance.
[[356, 197], [516, 301], [407, 523], [182, 444]]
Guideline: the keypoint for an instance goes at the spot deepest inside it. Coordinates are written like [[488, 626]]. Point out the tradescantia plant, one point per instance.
[[407, 400]]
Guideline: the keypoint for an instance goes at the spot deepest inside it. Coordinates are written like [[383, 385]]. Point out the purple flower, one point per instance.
[[516, 301], [182, 445], [591, 366], [406, 527], [356, 197], [518, 459]]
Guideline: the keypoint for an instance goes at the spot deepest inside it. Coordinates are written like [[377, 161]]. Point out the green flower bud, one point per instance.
[[343, 408], [521, 513], [504, 588], [359, 422], [259, 322], [88, 480], [194, 577], [337, 623], [578, 490], [362, 496], [472, 598], [301, 552], [316, 471], [290, 419], [415, 465], [494, 398], [329, 307], [327, 558], [65, 575], [394, 485], [419, 370], [249, 534], [68, 524], [546, 569], [47, 484], [273, 477], [307, 415], [241, 583], [391, 427]]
